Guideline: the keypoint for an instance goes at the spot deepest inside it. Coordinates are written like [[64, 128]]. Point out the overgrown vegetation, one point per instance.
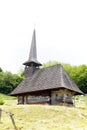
[[8, 81], [4, 97], [1, 101], [7, 97], [45, 117]]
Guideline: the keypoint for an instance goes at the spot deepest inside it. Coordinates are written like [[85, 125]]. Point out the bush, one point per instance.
[[1, 102]]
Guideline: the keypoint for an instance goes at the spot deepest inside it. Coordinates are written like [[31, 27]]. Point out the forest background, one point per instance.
[[9, 81]]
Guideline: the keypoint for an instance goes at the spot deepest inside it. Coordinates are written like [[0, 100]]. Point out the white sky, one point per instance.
[[61, 31]]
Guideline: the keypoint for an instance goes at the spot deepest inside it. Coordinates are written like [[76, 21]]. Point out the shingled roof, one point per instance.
[[47, 79]]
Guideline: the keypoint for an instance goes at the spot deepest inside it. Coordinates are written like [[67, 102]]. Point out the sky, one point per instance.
[[61, 31]]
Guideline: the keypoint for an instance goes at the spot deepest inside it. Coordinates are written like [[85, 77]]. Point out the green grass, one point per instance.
[[44, 117], [7, 97]]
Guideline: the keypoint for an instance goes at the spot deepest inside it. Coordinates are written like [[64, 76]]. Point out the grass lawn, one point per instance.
[[44, 117]]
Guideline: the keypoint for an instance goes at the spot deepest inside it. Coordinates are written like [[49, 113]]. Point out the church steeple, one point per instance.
[[33, 53]]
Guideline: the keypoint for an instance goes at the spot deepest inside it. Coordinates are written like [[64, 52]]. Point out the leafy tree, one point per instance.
[[1, 69], [21, 73], [49, 63], [8, 82], [82, 77]]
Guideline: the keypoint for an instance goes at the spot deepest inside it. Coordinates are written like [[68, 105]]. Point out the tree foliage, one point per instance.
[[1, 70], [8, 81], [49, 63]]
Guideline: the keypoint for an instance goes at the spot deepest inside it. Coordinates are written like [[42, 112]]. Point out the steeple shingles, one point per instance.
[[33, 53]]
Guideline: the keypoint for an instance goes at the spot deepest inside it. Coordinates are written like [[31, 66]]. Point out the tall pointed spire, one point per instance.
[[33, 53]]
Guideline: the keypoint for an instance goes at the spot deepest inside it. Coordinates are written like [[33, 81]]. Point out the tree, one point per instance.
[[8, 82], [82, 77], [1, 69], [49, 63]]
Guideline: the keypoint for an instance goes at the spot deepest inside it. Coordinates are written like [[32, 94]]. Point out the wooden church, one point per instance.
[[50, 85]]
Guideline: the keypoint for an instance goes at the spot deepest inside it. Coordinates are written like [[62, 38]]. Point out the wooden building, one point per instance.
[[50, 85]]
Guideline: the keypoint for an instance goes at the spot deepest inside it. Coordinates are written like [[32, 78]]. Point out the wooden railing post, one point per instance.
[[11, 116], [13, 122]]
